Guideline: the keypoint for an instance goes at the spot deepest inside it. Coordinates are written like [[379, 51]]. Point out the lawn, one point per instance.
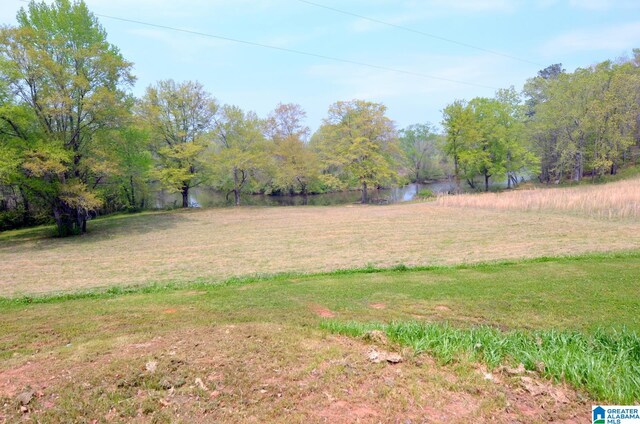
[[184, 246], [512, 307], [259, 351]]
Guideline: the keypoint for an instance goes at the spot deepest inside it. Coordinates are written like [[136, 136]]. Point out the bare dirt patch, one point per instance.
[[321, 311], [378, 305], [269, 373]]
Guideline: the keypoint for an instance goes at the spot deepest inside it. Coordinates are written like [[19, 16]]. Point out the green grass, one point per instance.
[[578, 293], [606, 364], [584, 309]]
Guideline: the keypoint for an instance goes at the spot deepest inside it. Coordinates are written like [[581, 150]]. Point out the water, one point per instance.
[[208, 198]]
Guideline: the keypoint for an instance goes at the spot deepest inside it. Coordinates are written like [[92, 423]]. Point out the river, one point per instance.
[[208, 198]]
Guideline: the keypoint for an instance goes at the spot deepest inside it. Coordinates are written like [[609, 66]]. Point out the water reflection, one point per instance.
[[208, 198]]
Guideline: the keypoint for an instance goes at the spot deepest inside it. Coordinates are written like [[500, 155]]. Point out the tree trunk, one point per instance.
[[133, 192], [185, 197], [236, 187], [486, 182], [577, 167], [456, 174], [69, 221], [26, 217], [364, 192]]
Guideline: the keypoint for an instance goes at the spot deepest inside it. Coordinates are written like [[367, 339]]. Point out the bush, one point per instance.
[[11, 219], [426, 193]]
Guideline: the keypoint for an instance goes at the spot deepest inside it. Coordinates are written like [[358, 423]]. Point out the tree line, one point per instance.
[[74, 140], [561, 126]]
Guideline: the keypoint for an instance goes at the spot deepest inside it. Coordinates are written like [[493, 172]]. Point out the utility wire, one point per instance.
[[299, 52], [284, 49], [415, 31]]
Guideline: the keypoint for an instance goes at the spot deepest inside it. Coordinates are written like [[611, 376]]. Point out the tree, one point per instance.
[[586, 121], [179, 118], [519, 157], [485, 138], [241, 149], [296, 165], [135, 162], [359, 142], [419, 145], [458, 124], [60, 68], [544, 142], [286, 121]]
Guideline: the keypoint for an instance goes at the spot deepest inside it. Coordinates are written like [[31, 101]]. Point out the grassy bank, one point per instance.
[[606, 364]]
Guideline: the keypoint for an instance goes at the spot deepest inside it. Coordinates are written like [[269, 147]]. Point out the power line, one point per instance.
[[415, 31], [299, 52], [284, 49]]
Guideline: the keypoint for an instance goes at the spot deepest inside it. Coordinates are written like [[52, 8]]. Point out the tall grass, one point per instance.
[[619, 199], [606, 364]]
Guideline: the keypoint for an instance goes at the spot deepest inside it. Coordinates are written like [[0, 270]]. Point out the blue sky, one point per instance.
[[576, 33]]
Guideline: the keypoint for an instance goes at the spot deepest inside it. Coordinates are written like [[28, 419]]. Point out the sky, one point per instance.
[[493, 44]]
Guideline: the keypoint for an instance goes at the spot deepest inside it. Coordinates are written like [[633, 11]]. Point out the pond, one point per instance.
[[208, 198]]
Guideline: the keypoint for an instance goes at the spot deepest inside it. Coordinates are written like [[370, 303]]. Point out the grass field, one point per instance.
[[261, 355], [220, 243], [142, 320], [619, 199]]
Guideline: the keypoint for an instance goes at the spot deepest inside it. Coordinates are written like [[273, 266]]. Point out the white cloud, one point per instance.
[[614, 38]]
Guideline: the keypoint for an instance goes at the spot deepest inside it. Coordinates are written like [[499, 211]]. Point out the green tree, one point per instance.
[[359, 142], [544, 140], [485, 138], [296, 167], [180, 118], [242, 151], [135, 164], [586, 121], [419, 145], [59, 66], [458, 123]]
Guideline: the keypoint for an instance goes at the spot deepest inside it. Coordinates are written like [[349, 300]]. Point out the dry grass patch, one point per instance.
[[215, 244], [614, 200]]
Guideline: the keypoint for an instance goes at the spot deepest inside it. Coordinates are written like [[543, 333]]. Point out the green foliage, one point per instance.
[[358, 143], [242, 151], [426, 193], [421, 153], [296, 168], [585, 121], [179, 118], [485, 138], [65, 85], [604, 363]]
